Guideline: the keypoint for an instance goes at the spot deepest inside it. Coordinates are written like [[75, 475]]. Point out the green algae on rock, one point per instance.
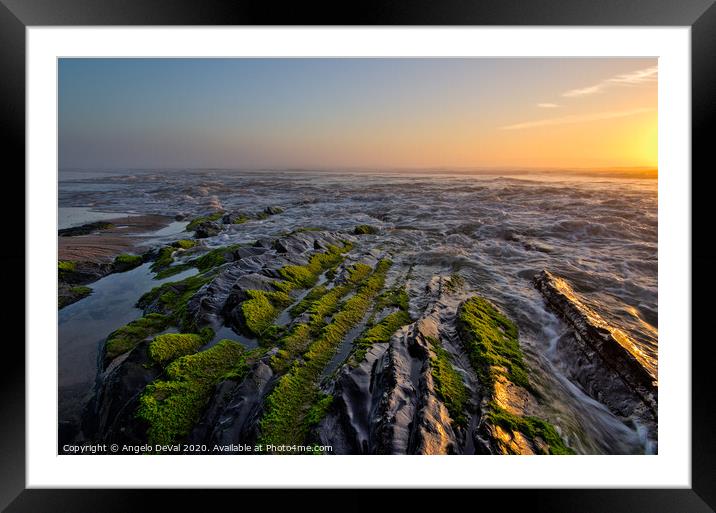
[[171, 299], [171, 407], [168, 347], [379, 333], [449, 385], [165, 258], [365, 229], [126, 262], [213, 258], [286, 420], [319, 304], [315, 293], [66, 266], [260, 309], [72, 295], [541, 434], [304, 276], [127, 337], [184, 243], [455, 282], [491, 342], [194, 223]]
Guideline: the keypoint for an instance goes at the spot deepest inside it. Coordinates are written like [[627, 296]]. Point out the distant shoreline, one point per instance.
[[651, 173]]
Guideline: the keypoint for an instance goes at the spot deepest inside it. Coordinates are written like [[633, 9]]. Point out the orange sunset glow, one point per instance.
[[359, 113]]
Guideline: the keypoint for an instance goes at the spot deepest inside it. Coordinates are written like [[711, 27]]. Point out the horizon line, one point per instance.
[[365, 168]]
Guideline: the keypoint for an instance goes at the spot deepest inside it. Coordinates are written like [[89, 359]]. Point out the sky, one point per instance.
[[358, 113]]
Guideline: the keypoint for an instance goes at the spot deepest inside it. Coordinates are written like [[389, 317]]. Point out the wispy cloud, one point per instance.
[[584, 118], [637, 77], [547, 105]]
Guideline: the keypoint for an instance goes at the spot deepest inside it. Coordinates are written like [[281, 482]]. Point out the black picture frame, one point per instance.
[[700, 15]]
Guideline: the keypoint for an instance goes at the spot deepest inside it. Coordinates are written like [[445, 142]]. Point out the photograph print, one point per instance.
[[357, 256]]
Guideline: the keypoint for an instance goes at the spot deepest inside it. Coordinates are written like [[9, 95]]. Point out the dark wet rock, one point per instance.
[[387, 404], [73, 277], [272, 211], [217, 302], [365, 229], [110, 415], [264, 243], [68, 294], [246, 252], [123, 263], [235, 409], [180, 217], [235, 218], [293, 245], [85, 272], [207, 229], [414, 421], [85, 229], [603, 360], [255, 268]]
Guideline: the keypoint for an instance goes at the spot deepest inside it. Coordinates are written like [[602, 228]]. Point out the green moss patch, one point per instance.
[[81, 290], [303, 305], [365, 229], [73, 294], [261, 309], [165, 258], [292, 344], [304, 276], [240, 219], [66, 266], [171, 271], [375, 333], [171, 298], [194, 223], [125, 262], [171, 407], [397, 297], [323, 303], [318, 410], [170, 346], [184, 243], [213, 258], [165, 348], [286, 419], [449, 385], [379, 333], [491, 342], [454, 283], [210, 260], [127, 337], [531, 427]]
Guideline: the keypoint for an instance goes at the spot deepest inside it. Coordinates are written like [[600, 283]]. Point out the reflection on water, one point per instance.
[[84, 325], [69, 217]]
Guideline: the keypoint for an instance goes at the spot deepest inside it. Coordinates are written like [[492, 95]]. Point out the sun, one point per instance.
[[648, 145]]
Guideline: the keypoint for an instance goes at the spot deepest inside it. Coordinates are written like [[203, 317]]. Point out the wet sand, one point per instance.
[[102, 246]]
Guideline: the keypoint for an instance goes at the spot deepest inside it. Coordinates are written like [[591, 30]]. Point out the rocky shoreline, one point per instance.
[[93, 250], [606, 363], [348, 350]]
